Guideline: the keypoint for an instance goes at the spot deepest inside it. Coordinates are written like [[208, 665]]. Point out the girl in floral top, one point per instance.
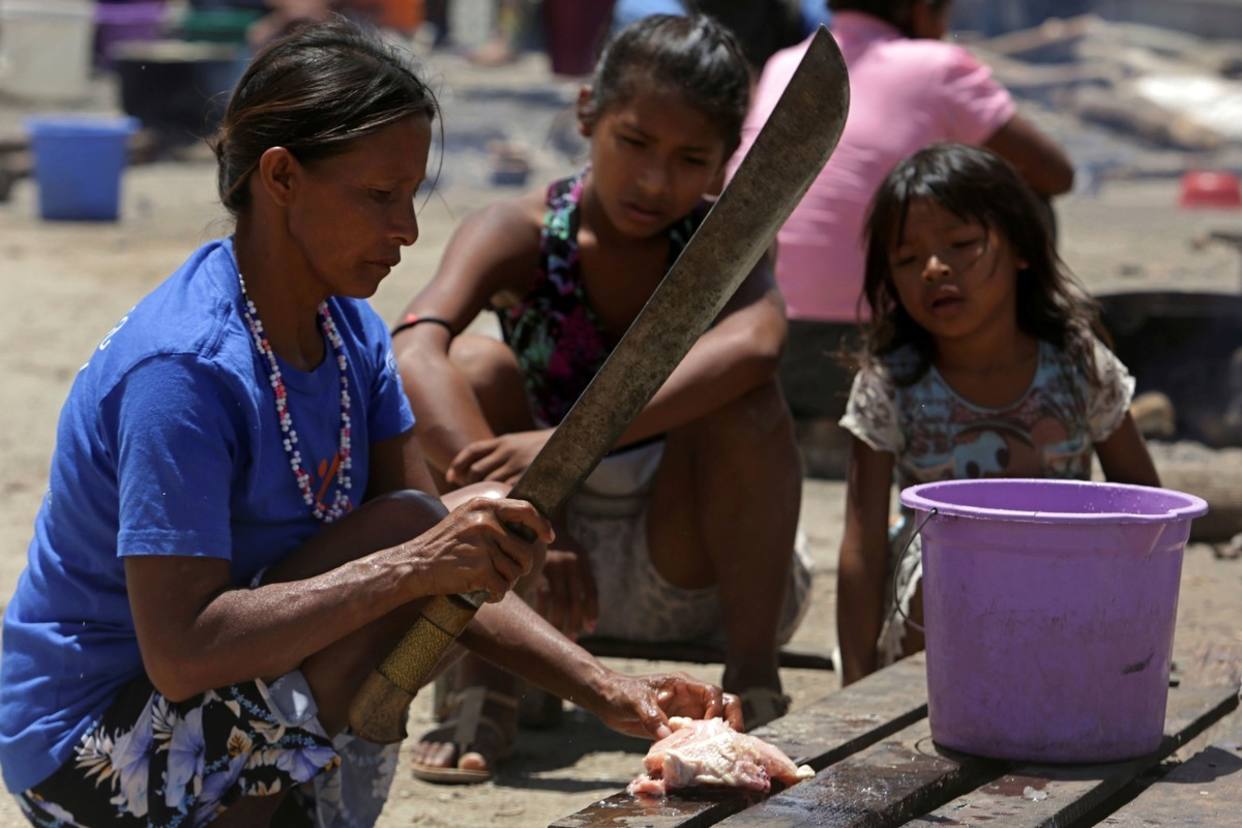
[[687, 531], [980, 360]]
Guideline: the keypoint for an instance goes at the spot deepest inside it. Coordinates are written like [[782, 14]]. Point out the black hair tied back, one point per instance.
[[313, 91]]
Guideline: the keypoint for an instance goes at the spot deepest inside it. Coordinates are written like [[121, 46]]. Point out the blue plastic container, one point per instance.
[[78, 165]]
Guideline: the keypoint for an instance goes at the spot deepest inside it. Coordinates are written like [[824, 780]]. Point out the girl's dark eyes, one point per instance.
[[695, 161], [633, 142], [965, 243], [380, 194]]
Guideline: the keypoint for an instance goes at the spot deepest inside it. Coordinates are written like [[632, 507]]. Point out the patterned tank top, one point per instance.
[[556, 336]]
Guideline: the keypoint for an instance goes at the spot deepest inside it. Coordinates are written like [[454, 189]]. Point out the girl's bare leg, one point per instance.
[[724, 511], [913, 641]]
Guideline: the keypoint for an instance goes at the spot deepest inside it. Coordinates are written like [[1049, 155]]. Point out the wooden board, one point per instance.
[[1204, 791], [886, 784], [820, 734], [1048, 795]]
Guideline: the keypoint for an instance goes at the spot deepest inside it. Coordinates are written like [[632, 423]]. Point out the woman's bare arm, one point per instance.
[[1039, 160], [198, 631]]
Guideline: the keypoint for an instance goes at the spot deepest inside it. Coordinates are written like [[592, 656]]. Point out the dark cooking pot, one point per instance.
[[177, 88], [1187, 345]]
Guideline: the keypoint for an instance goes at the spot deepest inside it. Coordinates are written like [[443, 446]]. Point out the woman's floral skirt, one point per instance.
[[153, 762]]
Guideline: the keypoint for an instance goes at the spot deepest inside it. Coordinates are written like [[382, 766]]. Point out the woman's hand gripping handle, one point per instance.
[[484, 534]]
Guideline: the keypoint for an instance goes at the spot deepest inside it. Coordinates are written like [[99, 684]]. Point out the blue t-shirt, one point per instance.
[[169, 445]]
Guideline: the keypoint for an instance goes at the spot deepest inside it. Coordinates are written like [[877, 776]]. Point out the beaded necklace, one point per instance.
[[340, 500]]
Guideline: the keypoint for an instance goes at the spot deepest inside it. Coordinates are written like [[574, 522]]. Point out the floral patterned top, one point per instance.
[[936, 434], [553, 331]]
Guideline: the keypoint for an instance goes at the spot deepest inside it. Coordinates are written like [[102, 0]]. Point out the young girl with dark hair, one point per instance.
[[240, 524], [687, 530], [908, 89], [980, 360]]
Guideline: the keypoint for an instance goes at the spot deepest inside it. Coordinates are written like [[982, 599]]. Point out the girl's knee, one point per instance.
[[761, 410], [485, 488], [767, 403]]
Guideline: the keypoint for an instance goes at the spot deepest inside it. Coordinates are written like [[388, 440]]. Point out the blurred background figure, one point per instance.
[[513, 25], [497, 32], [763, 27], [400, 16]]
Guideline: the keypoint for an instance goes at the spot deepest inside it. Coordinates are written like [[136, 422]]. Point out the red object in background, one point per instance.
[[405, 15], [575, 30], [1206, 188]]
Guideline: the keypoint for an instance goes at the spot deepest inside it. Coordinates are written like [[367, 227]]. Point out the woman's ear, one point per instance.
[[586, 111], [278, 174]]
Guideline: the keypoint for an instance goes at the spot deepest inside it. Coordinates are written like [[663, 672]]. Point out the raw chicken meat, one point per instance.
[[709, 752]]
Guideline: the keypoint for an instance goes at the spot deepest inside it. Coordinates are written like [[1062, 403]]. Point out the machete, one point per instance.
[[787, 155]]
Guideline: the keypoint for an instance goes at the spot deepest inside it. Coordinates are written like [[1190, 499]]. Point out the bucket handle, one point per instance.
[[897, 598]]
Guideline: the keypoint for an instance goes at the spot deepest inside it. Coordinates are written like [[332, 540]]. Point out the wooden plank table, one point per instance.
[[877, 766], [1206, 790]]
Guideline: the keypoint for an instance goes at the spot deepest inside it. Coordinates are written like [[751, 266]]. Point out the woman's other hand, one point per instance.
[[472, 550], [642, 705], [502, 458], [565, 593]]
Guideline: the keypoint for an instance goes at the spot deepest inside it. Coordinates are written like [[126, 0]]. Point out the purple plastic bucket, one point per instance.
[[1049, 607]]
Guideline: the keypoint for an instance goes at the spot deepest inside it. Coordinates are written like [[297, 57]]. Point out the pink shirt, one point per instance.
[[904, 95]]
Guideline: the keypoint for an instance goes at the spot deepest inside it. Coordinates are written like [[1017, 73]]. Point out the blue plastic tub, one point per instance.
[[78, 165]]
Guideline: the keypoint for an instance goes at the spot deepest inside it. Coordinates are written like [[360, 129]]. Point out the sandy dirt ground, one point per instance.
[[68, 284]]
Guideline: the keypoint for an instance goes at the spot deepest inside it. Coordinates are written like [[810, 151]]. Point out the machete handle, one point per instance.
[[378, 711]]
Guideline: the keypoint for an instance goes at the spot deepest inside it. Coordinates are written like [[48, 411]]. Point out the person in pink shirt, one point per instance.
[[908, 90]]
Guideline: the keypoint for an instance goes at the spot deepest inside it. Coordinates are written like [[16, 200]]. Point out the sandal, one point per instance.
[[464, 715], [761, 705]]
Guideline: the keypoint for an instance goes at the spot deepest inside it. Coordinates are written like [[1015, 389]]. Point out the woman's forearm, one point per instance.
[[240, 634], [514, 637]]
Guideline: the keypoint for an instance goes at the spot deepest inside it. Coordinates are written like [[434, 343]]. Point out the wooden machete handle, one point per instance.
[[378, 712]]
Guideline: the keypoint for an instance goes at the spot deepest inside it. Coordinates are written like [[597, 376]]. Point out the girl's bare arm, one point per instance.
[[736, 355], [1124, 457], [863, 567], [493, 250]]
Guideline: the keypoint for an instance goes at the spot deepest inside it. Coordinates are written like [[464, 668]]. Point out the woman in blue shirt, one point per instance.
[[239, 524]]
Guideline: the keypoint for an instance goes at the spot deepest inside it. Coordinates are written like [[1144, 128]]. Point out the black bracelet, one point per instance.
[[412, 319]]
